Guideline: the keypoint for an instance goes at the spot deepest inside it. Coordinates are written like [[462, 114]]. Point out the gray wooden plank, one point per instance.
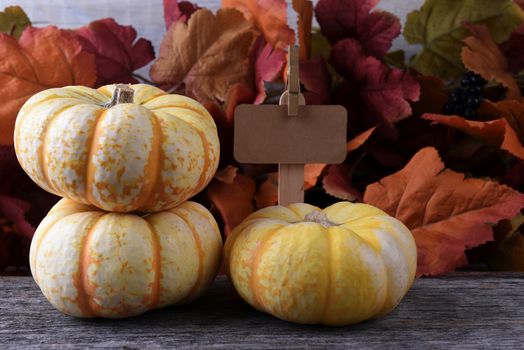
[[465, 310]]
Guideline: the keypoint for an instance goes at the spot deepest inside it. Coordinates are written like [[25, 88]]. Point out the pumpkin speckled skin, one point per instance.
[[149, 155], [91, 263], [306, 272]]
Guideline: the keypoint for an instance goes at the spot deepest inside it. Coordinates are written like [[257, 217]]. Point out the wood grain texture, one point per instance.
[[460, 311]]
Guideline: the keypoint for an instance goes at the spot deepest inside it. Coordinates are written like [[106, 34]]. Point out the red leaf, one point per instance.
[[337, 183], [269, 64], [14, 209], [234, 201], [446, 213], [343, 19], [267, 194], [117, 54], [43, 58], [316, 79], [374, 94], [175, 11], [496, 132]]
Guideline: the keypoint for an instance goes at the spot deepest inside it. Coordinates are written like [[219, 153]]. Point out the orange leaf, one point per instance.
[[43, 58], [227, 174], [495, 132], [311, 174], [446, 213], [208, 54], [359, 140], [234, 201], [513, 112], [304, 9], [267, 194], [483, 56], [337, 183], [269, 16]]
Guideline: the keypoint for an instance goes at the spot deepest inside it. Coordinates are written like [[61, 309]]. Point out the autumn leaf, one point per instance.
[[482, 56], [374, 93], [513, 112], [269, 16], [337, 183], [313, 171], [446, 213], [13, 21], [304, 10], [507, 252], [433, 95], [438, 27], [227, 174], [208, 54], [42, 58], [315, 78], [234, 201], [356, 19], [117, 52], [269, 64], [267, 193], [496, 132], [175, 11]]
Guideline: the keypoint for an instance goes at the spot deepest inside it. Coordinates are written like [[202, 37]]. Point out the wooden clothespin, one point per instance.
[[290, 134]]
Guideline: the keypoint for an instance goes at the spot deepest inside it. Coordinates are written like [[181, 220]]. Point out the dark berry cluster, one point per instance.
[[465, 100]]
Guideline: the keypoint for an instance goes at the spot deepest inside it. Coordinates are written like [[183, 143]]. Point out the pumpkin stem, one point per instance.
[[320, 218], [123, 94]]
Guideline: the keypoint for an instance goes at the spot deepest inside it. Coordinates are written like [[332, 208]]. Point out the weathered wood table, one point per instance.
[[462, 310]]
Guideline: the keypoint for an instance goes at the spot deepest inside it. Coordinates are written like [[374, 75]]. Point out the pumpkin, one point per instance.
[[92, 263], [337, 266], [125, 148]]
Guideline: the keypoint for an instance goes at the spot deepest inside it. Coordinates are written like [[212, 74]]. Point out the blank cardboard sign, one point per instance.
[[267, 134]]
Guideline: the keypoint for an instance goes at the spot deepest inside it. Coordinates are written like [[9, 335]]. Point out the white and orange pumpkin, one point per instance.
[[92, 263], [337, 266], [120, 149]]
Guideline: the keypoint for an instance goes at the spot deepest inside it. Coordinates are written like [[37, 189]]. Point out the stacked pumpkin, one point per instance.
[[124, 240]]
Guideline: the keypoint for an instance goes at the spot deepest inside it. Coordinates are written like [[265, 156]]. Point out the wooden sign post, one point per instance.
[[290, 134]]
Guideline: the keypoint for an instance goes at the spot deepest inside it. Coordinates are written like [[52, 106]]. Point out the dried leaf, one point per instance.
[[304, 10], [227, 174], [268, 15], [375, 94], [269, 64], [513, 112], [175, 11], [117, 52], [446, 213], [13, 21], [438, 27], [267, 194], [359, 140], [311, 173], [496, 132], [507, 253], [237, 94], [208, 55], [342, 19], [41, 59], [482, 56], [433, 95], [337, 183], [234, 201]]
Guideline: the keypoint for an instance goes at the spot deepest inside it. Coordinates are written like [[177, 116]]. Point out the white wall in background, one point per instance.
[[147, 15]]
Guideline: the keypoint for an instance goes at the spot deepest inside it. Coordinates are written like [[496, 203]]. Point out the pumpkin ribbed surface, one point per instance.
[[353, 264], [91, 263], [148, 155]]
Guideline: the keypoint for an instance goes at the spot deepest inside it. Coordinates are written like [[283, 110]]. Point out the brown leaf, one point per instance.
[[227, 174], [269, 16], [337, 183], [43, 58], [311, 173], [267, 194], [482, 56], [446, 213], [432, 95], [496, 132], [234, 201], [208, 54], [359, 140]]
